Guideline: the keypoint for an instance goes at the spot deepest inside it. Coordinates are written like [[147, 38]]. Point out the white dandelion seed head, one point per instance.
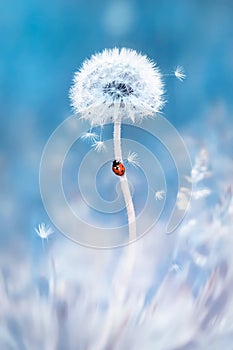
[[133, 159], [43, 230], [180, 73], [117, 77]]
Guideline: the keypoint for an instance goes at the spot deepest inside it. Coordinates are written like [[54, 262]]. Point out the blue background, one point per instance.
[[42, 43]]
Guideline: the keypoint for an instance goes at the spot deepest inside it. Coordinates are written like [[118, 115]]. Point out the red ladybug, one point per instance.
[[118, 168]]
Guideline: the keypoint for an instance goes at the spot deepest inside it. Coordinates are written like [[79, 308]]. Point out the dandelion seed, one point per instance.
[[89, 136], [179, 73], [133, 159], [99, 146], [44, 231], [159, 195]]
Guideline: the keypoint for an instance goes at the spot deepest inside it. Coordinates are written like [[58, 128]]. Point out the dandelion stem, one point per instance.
[[123, 179], [121, 278]]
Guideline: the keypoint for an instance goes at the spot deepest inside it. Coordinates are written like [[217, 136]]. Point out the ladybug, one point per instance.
[[118, 168]]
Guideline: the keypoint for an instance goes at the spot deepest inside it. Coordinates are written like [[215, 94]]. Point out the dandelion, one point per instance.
[[133, 159], [179, 73], [116, 85]]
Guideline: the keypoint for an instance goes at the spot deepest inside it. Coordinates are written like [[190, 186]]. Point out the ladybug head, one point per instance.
[[115, 163]]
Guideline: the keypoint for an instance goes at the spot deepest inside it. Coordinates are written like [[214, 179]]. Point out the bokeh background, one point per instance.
[[42, 44]]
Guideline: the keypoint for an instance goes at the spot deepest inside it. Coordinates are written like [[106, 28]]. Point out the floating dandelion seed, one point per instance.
[[180, 73], [99, 146], [112, 86], [133, 159], [159, 195], [89, 136], [44, 231]]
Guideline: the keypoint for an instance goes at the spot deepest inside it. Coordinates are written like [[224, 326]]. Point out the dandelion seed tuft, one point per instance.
[[159, 195], [133, 159], [180, 73], [99, 146], [89, 136], [43, 230]]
